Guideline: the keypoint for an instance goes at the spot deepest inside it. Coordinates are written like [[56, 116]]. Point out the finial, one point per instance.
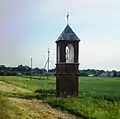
[[67, 18]]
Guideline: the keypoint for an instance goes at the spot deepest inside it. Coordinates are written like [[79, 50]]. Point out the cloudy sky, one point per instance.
[[29, 27]]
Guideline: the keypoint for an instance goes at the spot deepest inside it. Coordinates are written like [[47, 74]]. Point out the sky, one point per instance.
[[29, 27]]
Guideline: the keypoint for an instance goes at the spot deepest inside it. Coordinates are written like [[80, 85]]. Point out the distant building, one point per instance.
[[108, 73], [111, 74], [105, 74], [19, 74], [49, 73], [118, 73], [91, 75]]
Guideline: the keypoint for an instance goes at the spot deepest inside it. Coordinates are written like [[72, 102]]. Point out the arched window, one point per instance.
[[58, 52], [69, 53]]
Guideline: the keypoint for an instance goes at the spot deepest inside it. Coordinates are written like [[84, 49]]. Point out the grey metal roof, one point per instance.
[[68, 34]]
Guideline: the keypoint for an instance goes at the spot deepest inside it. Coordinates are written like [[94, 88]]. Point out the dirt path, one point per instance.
[[31, 109], [36, 109]]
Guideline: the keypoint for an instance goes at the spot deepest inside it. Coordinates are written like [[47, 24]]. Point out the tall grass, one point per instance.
[[88, 107], [3, 107], [99, 98]]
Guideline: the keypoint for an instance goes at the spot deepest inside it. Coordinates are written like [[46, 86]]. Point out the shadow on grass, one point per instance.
[[37, 94], [45, 93], [38, 78]]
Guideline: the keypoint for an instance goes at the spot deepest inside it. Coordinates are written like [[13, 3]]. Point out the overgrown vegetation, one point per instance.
[[99, 98], [88, 107], [7, 110], [3, 107]]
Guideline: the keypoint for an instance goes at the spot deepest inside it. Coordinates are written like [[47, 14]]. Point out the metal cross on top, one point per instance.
[[67, 18]]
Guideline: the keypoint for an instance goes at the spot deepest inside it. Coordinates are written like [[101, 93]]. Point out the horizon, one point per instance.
[[54, 68], [29, 28]]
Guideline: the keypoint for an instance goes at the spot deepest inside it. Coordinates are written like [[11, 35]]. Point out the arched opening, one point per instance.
[[69, 53], [58, 54]]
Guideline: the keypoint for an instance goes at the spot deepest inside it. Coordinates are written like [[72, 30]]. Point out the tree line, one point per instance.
[[26, 70], [20, 69]]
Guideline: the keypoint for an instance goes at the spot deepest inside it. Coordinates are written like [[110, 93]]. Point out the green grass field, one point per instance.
[[99, 98]]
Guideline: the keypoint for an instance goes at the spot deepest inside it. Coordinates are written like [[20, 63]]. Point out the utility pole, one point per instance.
[[31, 68], [2, 72], [2, 69], [48, 62]]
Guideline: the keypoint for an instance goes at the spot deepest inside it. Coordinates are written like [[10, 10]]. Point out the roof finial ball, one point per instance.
[[67, 18]]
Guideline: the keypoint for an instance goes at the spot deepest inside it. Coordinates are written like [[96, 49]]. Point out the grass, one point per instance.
[[97, 87], [99, 98], [3, 108], [32, 84], [88, 107], [7, 110], [21, 103]]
